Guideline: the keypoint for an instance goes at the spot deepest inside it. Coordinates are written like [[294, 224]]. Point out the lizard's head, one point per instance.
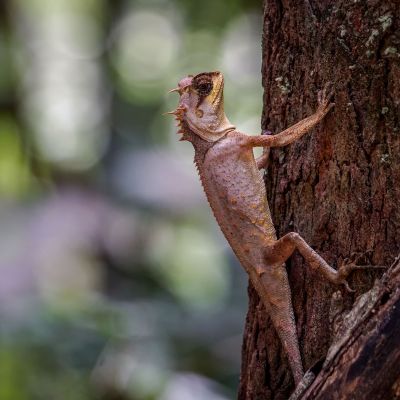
[[201, 106]]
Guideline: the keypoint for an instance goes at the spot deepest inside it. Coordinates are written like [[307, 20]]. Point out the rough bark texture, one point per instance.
[[364, 359], [339, 186]]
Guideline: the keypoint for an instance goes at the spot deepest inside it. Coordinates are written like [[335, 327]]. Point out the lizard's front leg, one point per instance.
[[298, 130], [262, 161]]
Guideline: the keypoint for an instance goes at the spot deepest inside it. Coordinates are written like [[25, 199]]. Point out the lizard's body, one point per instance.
[[236, 192], [237, 196]]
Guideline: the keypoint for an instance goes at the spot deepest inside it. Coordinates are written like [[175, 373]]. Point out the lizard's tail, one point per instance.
[[278, 301]]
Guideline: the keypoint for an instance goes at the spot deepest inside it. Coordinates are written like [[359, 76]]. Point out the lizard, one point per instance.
[[235, 190]]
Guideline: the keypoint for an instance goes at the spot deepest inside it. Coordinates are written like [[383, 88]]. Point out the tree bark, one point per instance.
[[364, 359], [338, 186]]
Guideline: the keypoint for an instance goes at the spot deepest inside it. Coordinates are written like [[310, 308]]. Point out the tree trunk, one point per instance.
[[338, 186]]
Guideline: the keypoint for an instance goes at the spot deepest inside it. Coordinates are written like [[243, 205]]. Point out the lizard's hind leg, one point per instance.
[[282, 249]]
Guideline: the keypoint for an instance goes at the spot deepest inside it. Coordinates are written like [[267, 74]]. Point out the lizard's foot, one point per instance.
[[345, 270], [324, 98]]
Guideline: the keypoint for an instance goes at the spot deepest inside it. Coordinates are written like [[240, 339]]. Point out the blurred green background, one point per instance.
[[115, 280]]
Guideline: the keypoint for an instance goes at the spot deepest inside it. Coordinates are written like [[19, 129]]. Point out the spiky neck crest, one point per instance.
[[200, 145]]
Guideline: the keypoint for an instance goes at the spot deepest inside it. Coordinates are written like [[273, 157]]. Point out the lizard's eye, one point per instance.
[[203, 85]]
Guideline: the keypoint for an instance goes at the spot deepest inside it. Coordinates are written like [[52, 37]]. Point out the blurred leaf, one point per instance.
[[85, 81], [15, 178], [191, 267], [13, 372]]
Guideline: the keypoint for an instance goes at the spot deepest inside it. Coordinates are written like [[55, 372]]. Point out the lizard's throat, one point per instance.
[[212, 131], [200, 145], [188, 134]]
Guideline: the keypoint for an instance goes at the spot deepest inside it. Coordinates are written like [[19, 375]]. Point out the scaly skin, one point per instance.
[[236, 192]]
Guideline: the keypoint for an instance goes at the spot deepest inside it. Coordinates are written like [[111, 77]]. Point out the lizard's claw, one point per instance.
[[362, 267], [324, 98], [347, 287]]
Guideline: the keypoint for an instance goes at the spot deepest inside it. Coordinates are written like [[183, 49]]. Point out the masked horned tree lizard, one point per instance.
[[236, 192]]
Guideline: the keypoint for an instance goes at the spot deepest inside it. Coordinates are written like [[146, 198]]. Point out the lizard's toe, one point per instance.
[[325, 95], [347, 287]]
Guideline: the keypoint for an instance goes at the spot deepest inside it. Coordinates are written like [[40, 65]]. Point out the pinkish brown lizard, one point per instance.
[[236, 192]]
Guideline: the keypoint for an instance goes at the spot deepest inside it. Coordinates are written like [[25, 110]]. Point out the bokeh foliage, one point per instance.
[[115, 282]]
